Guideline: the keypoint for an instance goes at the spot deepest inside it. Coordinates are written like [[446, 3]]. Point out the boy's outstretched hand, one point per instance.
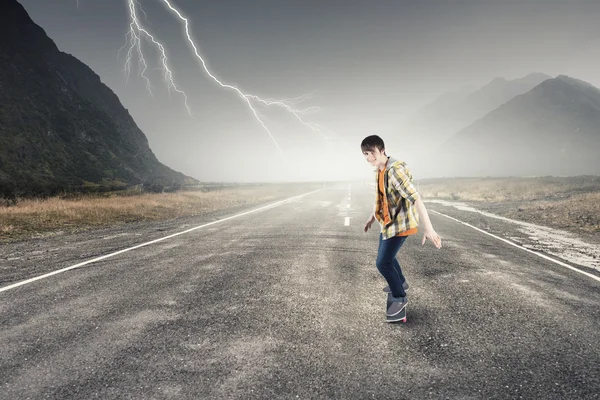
[[434, 237], [369, 223]]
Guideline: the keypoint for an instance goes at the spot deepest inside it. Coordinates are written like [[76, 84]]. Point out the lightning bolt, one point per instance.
[[133, 39], [288, 106], [244, 96]]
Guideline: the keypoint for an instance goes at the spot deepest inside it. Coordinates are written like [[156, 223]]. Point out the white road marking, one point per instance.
[[276, 204], [347, 221], [522, 248], [554, 242]]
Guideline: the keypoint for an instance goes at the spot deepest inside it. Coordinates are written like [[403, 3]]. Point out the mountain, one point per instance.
[[554, 129], [451, 112], [60, 126]]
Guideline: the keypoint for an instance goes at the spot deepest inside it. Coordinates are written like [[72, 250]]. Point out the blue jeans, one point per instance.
[[388, 265]]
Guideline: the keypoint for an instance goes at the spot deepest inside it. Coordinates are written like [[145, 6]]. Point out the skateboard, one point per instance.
[[400, 317]]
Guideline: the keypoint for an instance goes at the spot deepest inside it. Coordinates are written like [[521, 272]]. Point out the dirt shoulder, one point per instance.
[[547, 215], [568, 203]]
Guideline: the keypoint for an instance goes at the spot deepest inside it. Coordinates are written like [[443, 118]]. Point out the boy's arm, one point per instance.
[[429, 231], [401, 179]]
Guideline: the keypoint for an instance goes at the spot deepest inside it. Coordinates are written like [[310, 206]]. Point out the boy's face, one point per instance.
[[375, 157]]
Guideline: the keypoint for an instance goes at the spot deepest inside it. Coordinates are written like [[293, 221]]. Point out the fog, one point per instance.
[[368, 66]]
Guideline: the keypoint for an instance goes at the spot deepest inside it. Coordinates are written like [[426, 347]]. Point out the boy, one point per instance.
[[398, 208]]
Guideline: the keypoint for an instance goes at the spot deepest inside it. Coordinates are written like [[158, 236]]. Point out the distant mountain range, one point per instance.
[[536, 125], [554, 129], [60, 126], [453, 111]]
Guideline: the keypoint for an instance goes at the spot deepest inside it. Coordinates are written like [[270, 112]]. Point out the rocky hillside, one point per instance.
[[554, 129], [60, 126], [454, 111]]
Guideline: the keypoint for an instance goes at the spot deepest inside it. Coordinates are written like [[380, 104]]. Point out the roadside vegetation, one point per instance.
[[571, 203], [68, 212]]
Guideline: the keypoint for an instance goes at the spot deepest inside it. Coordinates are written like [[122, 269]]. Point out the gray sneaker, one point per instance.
[[387, 288], [396, 306]]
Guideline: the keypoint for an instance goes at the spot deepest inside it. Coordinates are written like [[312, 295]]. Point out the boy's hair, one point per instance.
[[371, 142]]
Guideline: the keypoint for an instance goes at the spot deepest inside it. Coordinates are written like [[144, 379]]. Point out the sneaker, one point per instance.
[[404, 286], [396, 307]]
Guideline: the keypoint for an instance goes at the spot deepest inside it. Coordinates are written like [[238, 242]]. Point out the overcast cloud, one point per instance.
[[368, 63]]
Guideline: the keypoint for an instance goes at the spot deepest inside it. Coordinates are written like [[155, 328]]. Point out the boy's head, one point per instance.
[[373, 149], [371, 143]]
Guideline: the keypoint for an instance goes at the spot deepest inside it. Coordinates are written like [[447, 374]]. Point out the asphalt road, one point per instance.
[[288, 303]]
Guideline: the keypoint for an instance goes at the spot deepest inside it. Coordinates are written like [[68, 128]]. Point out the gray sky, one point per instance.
[[368, 63]]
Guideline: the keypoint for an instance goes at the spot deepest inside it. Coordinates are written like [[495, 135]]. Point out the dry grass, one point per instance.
[[578, 212], [509, 189], [571, 203], [34, 217]]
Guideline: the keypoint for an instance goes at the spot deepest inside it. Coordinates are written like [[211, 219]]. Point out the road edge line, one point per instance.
[[49, 274], [522, 248]]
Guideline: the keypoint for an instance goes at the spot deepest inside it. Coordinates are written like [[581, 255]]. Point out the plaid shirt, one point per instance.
[[400, 197]]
